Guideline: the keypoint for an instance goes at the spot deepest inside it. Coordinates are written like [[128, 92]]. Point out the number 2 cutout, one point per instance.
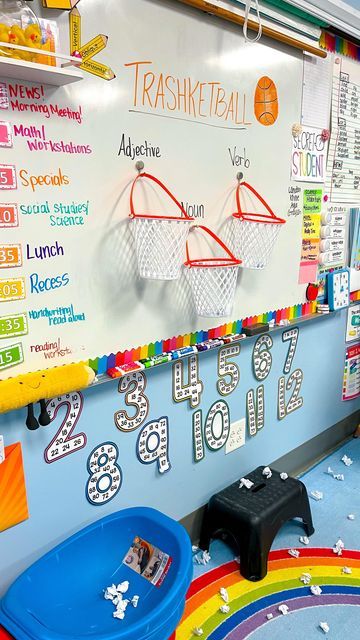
[[64, 442]]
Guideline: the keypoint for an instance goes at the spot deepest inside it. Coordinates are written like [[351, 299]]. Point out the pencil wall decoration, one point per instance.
[[13, 500], [89, 49], [66, 5]]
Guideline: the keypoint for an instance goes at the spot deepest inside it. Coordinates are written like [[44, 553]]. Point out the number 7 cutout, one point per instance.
[[88, 50], [64, 442]]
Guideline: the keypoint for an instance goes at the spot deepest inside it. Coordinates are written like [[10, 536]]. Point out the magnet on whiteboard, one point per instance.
[[139, 166], [325, 218], [325, 232]]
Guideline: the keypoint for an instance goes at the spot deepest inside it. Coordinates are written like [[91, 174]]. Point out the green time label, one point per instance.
[[12, 326], [10, 356]]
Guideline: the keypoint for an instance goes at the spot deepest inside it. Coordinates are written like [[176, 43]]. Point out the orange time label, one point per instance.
[[10, 255], [12, 289]]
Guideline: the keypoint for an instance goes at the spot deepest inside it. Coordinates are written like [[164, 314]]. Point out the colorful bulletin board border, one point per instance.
[[101, 364], [336, 44], [355, 296]]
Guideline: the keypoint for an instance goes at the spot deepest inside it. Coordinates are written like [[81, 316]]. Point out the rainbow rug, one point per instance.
[[251, 602]]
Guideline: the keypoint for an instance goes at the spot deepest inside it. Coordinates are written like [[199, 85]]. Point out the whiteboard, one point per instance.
[[97, 304]]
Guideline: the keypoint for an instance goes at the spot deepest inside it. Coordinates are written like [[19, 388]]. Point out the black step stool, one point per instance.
[[249, 519]]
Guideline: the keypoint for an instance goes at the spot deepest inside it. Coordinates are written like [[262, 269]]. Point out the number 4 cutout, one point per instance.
[[191, 391]]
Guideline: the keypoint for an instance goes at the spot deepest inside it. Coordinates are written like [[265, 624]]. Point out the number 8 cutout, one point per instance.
[[105, 474]]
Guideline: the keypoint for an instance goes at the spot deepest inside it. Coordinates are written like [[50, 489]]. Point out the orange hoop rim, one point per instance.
[[208, 263], [245, 216], [258, 217], [145, 216], [184, 216]]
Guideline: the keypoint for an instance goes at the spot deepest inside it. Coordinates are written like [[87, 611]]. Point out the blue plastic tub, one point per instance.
[[61, 595]]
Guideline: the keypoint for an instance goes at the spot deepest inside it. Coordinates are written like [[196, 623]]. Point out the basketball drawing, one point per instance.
[[266, 105]]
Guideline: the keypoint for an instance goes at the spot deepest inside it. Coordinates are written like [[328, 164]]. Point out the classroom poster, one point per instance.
[[351, 381], [312, 205], [308, 159], [343, 163]]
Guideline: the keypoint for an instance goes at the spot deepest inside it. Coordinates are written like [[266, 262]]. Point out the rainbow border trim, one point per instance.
[[336, 44], [101, 364]]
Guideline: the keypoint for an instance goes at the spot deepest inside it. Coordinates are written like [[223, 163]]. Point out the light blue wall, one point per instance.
[[56, 492]]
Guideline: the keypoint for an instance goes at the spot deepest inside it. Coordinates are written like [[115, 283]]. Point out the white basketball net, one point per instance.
[[160, 247], [213, 289], [253, 242]]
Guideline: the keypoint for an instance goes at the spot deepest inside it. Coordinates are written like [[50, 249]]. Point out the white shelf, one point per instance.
[[40, 73]]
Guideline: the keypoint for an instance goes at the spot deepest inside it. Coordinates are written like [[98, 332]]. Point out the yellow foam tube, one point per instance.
[[22, 390]]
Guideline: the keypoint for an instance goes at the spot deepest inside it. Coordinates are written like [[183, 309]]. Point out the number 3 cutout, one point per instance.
[[133, 386], [64, 443]]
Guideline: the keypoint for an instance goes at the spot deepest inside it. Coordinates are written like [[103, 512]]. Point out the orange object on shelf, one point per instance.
[[13, 499]]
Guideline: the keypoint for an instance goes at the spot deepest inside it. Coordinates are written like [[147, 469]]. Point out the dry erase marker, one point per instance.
[[233, 337], [209, 344], [155, 360], [118, 372], [184, 351]]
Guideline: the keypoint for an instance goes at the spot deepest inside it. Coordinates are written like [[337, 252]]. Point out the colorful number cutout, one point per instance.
[[153, 444], [214, 440], [262, 358], [133, 385], [229, 369], [198, 440], [295, 401], [191, 391], [64, 442], [105, 474], [255, 410], [291, 335]]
